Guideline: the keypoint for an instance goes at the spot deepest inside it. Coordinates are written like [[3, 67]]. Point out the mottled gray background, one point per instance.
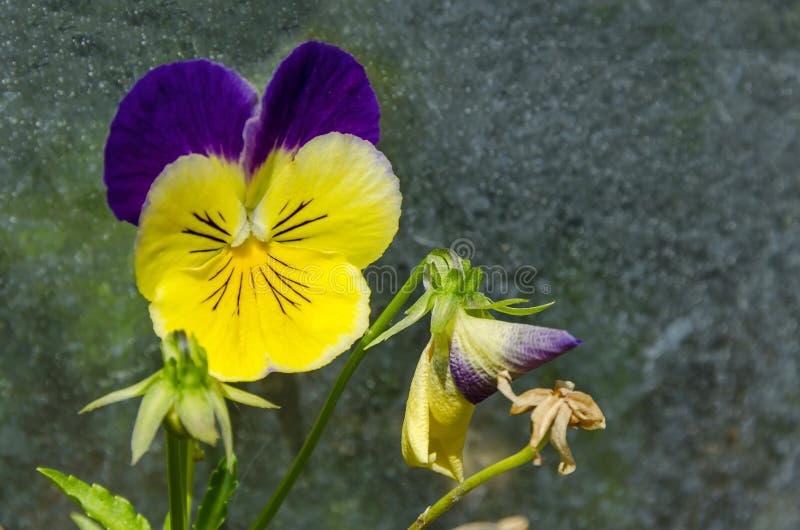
[[642, 155]]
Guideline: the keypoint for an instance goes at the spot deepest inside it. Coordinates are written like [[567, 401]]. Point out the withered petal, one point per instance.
[[558, 438], [565, 385], [585, 412], [542, 418], [523, 402], [530, 399]]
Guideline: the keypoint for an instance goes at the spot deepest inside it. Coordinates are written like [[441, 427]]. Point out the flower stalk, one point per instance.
[[381, 324], [452, 497], [178, 463]]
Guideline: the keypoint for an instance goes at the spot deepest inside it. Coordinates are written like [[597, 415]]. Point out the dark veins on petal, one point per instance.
[[286, 291], [300, 207], [222, 289], [276, 274], [209, 230]]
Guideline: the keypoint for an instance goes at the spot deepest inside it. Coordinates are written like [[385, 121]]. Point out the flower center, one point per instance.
[[250, 251]]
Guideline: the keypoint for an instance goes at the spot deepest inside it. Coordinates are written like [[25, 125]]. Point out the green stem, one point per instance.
[[177, 449], [380, 325], [455, 494], [191, 450]]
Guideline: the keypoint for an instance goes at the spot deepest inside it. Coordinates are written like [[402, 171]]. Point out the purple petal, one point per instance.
[[317, 89], [174, 110], [481, 348]]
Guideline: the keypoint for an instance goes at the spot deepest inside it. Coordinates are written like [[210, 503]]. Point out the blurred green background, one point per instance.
[[641, 155]]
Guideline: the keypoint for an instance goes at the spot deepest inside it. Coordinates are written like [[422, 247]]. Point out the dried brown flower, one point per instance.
[[553, 411]]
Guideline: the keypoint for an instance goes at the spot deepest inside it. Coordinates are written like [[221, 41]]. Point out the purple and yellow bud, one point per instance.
[[481, 348]]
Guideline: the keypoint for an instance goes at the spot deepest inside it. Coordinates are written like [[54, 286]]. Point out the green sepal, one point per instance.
[[214, 507], [438, 263], [221, 413], [174, 346], [132, 391], [155, 405], [196, 415], [83, 522], [113, 512], [443, 311], [503, 307], [473, 278], [183, 396], [413, 314], [246, 398]]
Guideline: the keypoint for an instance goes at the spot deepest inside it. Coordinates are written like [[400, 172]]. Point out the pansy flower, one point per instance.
[[459, 367], [255, 220]]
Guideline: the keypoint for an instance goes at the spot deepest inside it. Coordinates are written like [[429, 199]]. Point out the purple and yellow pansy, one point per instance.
[[460, 364], [255, 220]]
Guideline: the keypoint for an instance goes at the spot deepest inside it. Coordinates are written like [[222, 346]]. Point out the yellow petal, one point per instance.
[[261, 181], [338, 194], [262, 307], [324, 307], [414, 441], [194, 209], [437, 415]]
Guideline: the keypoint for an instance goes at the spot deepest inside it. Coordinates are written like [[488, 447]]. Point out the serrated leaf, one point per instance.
[[221, 485], [83, 522], [113, 512]]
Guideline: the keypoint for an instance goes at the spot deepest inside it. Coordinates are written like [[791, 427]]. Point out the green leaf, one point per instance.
[[113, 512], [246, 398], [84, 523], [221, 485], [120, 395]]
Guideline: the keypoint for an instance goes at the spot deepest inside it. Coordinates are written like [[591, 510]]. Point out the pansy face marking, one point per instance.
[[255, 222]]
